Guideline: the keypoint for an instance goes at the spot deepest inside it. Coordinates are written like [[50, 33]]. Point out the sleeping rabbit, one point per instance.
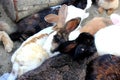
[[109, 5], [107, 40], [36, 49]]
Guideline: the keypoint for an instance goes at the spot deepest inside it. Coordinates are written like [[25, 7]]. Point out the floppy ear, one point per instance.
[[115, 18], [72, 24], [51, 18], [65, 47]]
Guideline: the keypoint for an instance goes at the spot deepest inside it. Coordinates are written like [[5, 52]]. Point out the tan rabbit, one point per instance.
[[109, 5], [4, 37], [91, 27], [32, 53]]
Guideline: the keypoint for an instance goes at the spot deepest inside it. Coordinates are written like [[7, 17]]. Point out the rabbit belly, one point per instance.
[[107, 40], [107, 5]]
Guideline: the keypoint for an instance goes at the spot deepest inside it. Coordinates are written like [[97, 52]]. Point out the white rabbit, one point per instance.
[[31, 53], [107, 40], [36, 49]]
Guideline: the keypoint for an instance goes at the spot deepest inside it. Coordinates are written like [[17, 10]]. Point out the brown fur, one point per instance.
[[95, 24], [33, 40], [106, 67], [109, 5], [63, 33]]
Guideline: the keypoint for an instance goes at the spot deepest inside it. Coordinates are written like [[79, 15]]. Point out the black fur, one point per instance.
[[81, 48], [32, 24], [79, 3]]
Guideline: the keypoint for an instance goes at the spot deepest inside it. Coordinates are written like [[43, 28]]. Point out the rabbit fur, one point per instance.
[[107, 40], [105, 67], [109, 5], [5, 30], [91, 27], [33, 24], [36, 49], [80, 13], [80, 48]]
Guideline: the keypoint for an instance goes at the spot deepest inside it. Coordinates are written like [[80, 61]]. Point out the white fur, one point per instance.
[[107, 40], [77, 12], [74, 12], [54, 7], [30, 55]]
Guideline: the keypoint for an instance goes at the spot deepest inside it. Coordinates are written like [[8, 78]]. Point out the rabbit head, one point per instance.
[[61, 28], [80, 48], [61, 35]]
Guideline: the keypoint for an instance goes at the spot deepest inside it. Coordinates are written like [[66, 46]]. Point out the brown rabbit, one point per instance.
[[109, 5], [91, 27]]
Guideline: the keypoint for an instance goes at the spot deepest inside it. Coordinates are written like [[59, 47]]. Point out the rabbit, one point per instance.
[[105, 67], [78, 12], [32, 24], [63, 67], [81, 15], [91, 27], [60, 67], [107, 39], [5, 30], [109, 5], [33, 50], [80, 48]]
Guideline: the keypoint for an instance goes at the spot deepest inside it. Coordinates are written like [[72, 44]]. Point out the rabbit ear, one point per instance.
[[115, 18], [72, 24], [51, 18], [62, 15]]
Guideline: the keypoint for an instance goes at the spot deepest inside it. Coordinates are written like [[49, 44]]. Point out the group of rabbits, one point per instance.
[[67, 36]]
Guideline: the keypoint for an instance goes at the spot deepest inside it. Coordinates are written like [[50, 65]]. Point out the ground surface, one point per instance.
[[5, 63]]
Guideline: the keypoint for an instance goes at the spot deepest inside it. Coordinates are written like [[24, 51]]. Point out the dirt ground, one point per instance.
[[5, 63]]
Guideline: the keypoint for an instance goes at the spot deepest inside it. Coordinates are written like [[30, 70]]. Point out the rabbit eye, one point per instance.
[[82, 49], [56, 38]]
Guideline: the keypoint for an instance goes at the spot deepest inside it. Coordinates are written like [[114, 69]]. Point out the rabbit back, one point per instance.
[[107, 40]]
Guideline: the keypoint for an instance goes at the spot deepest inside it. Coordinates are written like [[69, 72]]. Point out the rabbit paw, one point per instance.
[[9, 47]]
